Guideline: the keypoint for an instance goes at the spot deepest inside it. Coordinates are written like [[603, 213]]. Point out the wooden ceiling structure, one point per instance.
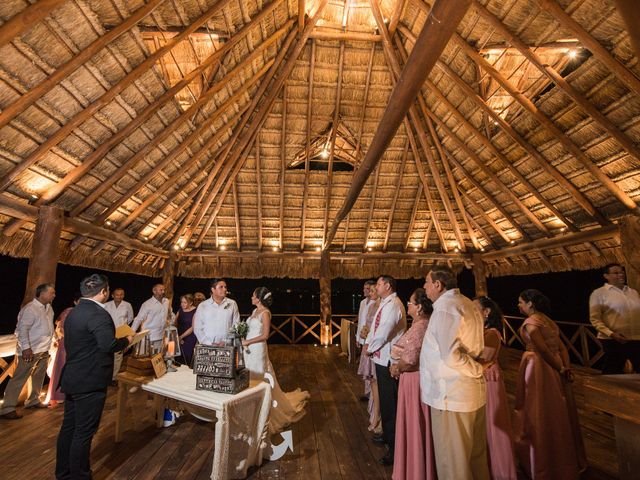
[[173, 132]]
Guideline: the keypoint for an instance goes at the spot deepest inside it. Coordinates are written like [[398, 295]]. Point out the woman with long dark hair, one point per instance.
[[499, 431]]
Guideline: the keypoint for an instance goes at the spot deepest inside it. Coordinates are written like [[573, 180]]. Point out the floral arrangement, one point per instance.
[[239, 330]]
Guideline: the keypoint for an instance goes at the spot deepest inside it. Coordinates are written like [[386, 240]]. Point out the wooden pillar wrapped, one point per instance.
[[325, 298], [168, 274], [480, 276], [630, 244], [44, 250]]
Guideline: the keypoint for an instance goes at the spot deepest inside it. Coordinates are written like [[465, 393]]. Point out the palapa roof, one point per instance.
[[179, 127]]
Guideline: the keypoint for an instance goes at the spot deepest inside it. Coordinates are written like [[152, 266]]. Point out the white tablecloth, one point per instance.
[[241, 438]]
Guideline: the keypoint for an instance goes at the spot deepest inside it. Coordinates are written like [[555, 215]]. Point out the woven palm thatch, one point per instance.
[[213, 131]]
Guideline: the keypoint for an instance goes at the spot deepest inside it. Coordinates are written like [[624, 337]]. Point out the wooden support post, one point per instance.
[[168, 273], [480, 276], [44, 250], [630, 244], [325, 298], [630, 13]]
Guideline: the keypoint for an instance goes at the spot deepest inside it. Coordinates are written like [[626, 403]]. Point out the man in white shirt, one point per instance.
[[451, 379], [153, 316], [614, 309], [366, 302], [35, 333], [122, 314], [215, 317], [389, 323]]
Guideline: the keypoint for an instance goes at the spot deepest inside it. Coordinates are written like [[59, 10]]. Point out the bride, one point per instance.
[[290, 405]]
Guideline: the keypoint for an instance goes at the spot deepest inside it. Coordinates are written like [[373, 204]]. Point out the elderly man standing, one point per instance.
[[153, 316], [122, 314], [389, 323], [215, 317], [35, 333], [451, 379], [614, 309]]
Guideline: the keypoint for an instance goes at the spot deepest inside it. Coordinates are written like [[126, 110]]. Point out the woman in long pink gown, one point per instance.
[[414, 458], [54, 395], [547, 437], [499, 431]]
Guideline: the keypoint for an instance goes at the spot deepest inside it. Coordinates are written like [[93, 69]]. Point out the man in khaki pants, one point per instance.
[[35, 333], [451, 380]]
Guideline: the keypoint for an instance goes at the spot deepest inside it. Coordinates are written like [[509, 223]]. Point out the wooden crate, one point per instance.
[[222, 384], [215, 361]]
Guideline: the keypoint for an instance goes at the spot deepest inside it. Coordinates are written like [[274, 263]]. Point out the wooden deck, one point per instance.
[[330, 442]]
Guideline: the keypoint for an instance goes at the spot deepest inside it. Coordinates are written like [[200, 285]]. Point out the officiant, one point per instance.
[[215, 317]]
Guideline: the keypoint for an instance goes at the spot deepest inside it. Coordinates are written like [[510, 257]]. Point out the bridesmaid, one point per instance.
[[367, 370], [184, 321], [54, 395], [414, 458], [499, 432], [547, 437]]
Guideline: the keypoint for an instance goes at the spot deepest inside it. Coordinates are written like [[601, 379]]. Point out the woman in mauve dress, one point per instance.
[[499, 431], [367, 369], [414, 457], [54, 395], [547, 435], [184, 321]]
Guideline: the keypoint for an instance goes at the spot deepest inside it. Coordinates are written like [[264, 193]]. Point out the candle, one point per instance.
[[171, 348]]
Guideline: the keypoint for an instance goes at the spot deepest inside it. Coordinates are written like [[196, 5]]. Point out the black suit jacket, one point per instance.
[[89, 340]]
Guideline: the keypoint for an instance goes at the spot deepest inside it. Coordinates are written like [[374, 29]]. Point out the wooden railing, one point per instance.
[[303, 328], [580, 339]]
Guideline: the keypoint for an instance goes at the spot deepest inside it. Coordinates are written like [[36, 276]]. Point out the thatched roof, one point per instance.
[[183, 127]]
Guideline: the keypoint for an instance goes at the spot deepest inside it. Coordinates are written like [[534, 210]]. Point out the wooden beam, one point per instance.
[[256, 145], [325, 297], [334, 132], [486, 216], [395, 16], [628, 10], [429, 46], [168, 275], [236, 214], [599, 118], [371, 209], [396, 194], [367, 84], [301, 14], [335, 255], [25, 19], [603, 233], [330, 34], [110, 94], [283, 164], [305, 188], [480, 276], [33, 95], [45, 250], [599, 52], [412, 219], [546, 122]]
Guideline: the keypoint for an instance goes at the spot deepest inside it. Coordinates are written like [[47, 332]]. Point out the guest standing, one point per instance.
[[499, 432], [546, 444], [198, 298], [54, 394], [367, 369], [35, 333], [184, 321], [153, 316], [388, 326], [414, 456], [121, 313], [451, 380], [614, 309], [362, 320], [90, 344], [215, 317]]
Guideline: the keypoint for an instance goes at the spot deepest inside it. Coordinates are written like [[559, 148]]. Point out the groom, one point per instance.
[[215, 317]]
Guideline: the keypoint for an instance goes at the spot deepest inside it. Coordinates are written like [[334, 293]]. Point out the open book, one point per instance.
[[125, 331]]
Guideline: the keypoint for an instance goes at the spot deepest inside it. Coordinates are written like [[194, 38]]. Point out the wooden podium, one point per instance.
[[619, 395]]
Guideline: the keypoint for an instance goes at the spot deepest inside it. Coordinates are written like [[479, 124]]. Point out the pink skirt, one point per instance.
[[499, 432], [414, 458], [367, 368], [54, 392]]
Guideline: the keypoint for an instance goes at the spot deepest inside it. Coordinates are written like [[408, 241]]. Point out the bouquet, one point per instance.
[[239, 330]]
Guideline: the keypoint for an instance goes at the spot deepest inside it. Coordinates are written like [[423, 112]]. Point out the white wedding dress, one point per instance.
[[289, 406]]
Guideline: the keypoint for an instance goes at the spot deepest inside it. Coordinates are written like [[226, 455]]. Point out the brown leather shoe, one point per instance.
[[11, 416], [38, 405]]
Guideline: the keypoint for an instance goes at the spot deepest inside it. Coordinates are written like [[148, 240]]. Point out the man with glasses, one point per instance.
[[614, 309]]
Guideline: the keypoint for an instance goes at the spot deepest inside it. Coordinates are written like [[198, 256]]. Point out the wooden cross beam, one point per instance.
[[25, 19]]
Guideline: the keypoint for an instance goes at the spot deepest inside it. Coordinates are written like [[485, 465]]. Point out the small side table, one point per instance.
[[127, 380]]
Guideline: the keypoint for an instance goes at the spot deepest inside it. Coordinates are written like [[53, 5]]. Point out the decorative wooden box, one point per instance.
[[222, 384], [211, 361], [140, 366]]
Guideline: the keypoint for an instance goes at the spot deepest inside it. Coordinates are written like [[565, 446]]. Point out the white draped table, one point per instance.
[[8, 344], [241, 431]]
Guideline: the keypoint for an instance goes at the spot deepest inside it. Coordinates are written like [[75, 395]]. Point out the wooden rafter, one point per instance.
[[335, 256], [629, 12], [256, 146], [412, 219], [372, 204], [396, 194], [485, 215], [236, 215], [33, 95], [305, 191], [301, 14], [109, 95], [283, 164], [395, 16], [367, 84], [25, 19]]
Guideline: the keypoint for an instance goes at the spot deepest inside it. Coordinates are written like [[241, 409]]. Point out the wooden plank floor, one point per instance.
[[331, 442]]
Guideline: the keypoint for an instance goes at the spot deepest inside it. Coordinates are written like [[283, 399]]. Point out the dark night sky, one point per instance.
[[568, 291]]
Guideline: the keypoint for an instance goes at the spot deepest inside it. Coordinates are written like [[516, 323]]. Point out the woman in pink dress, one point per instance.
[[547, 437], [413, 456], [499, 432], [54, 395], [367, 370]]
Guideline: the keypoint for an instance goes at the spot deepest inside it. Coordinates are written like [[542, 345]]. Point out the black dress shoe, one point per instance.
[[377, 439], [11, 416], [386, 460]]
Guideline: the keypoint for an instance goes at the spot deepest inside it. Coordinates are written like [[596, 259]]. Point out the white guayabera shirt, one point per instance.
[[212, 321]]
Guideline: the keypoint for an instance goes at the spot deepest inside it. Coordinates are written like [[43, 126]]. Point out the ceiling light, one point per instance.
[[223, 247], [573, 53], [369, 248], [563, 229], [108, 223], [324, 153], [145, 238], [482, 249], [275, 249], [318, 249], [415, 249], [512, 242], [34, 196], [456, 250], [176, 247]]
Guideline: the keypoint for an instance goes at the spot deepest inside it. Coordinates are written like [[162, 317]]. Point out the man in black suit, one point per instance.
[[89, 337]]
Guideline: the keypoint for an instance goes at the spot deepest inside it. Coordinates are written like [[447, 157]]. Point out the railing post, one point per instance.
[[325, 298]]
